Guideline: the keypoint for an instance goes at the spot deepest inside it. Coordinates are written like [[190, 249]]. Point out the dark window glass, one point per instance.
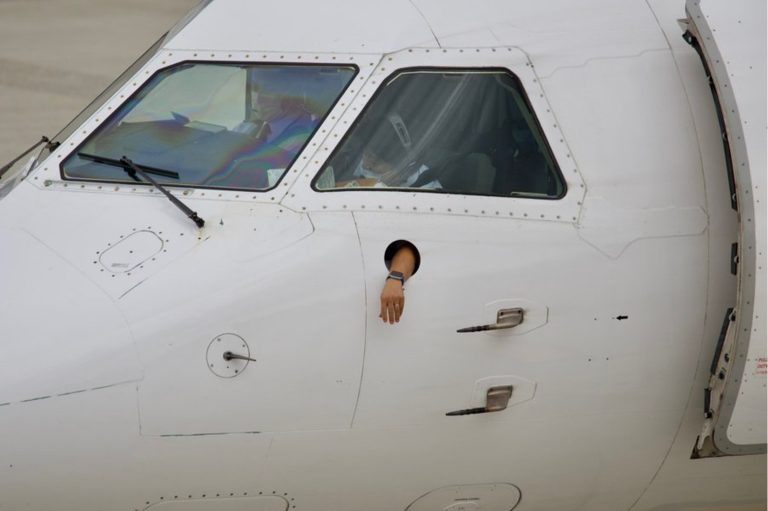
[[456, 131], [216, 125]]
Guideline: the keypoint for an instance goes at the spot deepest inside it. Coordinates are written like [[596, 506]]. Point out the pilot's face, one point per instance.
[[375, 164], [268, 106]]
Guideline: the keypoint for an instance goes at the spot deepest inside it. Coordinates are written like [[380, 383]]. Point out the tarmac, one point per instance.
[[56, 56]]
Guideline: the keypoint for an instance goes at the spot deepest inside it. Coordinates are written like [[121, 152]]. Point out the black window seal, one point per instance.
[[116, 111], [415, 69]]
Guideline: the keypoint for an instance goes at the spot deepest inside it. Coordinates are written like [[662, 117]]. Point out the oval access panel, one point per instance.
[[131, 252], [469, 497]]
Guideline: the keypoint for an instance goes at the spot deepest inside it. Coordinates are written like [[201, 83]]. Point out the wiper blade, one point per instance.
[[45, 140], [133, 169], [119, 163]]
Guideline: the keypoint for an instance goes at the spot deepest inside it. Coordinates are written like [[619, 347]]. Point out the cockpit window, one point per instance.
[[455, 131], [232, 126]]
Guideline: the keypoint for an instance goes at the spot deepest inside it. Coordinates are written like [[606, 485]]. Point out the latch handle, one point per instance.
[[496, 400], [505, 318]]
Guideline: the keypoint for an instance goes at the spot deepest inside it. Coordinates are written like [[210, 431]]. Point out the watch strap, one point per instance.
[[396, 275]]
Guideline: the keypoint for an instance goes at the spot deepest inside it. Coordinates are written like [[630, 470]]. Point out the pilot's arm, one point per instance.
[[403, 264]]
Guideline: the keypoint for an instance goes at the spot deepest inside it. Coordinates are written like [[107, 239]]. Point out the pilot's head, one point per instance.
[[268, 105], [389, 148], [270, 101]]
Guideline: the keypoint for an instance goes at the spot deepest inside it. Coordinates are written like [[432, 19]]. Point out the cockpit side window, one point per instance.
[[448, 130], [230, 126]]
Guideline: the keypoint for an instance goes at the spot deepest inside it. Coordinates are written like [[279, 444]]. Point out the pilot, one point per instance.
[[403, 260], [279, 124], [281, 117], [388, 160]]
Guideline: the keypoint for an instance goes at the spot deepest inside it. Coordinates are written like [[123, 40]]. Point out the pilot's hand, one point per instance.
[[392, 301]]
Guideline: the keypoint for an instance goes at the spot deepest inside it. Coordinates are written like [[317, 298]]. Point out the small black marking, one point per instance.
[[35, 399], [621, 318]]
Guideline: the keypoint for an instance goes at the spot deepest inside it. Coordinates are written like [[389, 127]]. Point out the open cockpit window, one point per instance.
[[455, 131], [232, 126]]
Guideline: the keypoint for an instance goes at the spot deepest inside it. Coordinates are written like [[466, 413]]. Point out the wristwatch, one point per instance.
[[396, 275]]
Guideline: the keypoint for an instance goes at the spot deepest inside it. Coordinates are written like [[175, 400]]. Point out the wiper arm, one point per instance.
[[135, 172], [133, 169], [45, 140], [127, 168]]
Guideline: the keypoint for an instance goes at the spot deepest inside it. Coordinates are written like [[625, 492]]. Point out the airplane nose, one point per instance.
[[59, 332]]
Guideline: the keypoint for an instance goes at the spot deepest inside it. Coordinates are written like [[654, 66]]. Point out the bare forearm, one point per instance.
[[404, 261]]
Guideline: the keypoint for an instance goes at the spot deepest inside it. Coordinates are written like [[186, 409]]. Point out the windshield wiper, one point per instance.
[[127, 168], [45, 140], [134, 169]]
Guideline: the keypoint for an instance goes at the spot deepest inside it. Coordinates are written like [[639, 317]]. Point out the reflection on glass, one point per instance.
[[217, 125], [457, 131]]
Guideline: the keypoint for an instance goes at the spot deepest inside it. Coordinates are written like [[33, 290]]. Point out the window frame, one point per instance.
[[558, 174], [118, 110]]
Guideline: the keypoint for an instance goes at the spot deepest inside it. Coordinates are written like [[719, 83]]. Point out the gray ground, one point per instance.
[[57, 55]]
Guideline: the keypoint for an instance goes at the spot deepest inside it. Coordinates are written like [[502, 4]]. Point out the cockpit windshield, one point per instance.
[[232, 126]]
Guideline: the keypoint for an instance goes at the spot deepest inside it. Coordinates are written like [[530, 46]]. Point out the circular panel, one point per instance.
[[218, 356]]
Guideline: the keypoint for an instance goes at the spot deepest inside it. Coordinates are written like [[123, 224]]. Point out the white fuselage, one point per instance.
[[111, 300]]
